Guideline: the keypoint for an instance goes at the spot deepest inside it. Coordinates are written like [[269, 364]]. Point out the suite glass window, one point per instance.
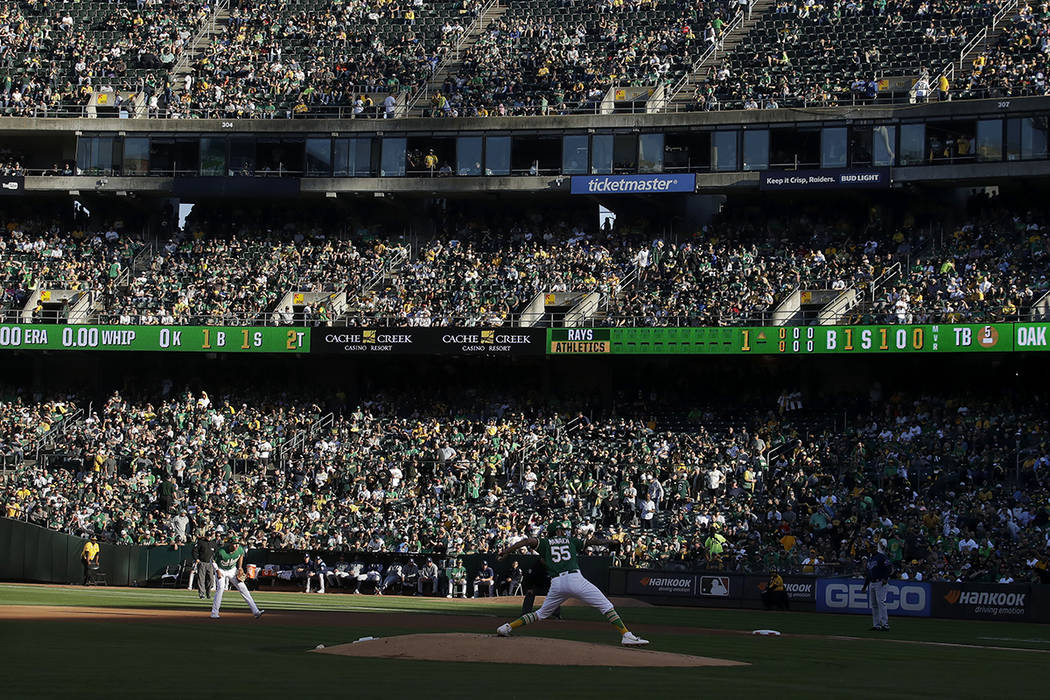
[[136, 156], [756, 149], [574, 152], [1026, 138], [883, 145], [318, 157], [98, 155], [392, 160], [913, 144], [468, 155], [724, 151], [990, 139], [213, 156], [242, 157], [833, 147], [497, 155], [651, 153], [602, 154]]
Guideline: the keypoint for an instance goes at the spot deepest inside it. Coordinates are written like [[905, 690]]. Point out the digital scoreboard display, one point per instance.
[[232, 339], [800, 340]]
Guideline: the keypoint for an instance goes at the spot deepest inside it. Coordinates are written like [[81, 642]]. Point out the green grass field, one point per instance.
[[834, 656]]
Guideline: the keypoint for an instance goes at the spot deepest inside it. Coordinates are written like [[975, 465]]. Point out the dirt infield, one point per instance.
[[539, 651]]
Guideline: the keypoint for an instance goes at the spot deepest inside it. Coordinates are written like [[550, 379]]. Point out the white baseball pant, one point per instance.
[[227, 578], [572, 585], [877, 601]]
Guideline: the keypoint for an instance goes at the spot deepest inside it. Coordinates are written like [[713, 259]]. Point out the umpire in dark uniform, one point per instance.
[[203, 556], [536, 581]]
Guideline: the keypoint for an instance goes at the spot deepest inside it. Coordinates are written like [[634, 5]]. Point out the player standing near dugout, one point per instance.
[[559, 551], [229, 571]]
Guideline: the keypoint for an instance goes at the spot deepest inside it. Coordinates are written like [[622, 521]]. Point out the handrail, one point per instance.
[[734, 24], [451, 56], [184, 62], [1040, 308], [888, 275], [295, 444], [74, 417]]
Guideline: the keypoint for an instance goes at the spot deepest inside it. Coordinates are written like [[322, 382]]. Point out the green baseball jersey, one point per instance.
[[559, 554], [228, 560]]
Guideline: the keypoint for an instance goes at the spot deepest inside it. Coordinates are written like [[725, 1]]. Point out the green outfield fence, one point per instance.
[[33, 553]]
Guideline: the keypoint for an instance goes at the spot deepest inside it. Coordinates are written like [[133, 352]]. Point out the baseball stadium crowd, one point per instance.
[[59, 55], [272, 59], [237, 266], [531, 57], [556, 57], [806, 52], [957, 483]]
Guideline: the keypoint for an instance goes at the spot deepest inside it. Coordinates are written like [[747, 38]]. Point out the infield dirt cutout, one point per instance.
[[539, 651]]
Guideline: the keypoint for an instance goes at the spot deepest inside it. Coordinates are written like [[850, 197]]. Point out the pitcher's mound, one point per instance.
[[542, 651]]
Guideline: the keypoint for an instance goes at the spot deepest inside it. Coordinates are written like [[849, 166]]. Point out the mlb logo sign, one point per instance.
[[717, 586]]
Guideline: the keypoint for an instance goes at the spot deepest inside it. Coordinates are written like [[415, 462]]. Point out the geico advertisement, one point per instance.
[[847, 596]]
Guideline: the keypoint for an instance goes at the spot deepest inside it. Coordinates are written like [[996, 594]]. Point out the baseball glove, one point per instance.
[[241, 576]]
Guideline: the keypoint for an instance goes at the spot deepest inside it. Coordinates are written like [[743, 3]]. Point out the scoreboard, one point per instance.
[[800, 340], [232, 339]]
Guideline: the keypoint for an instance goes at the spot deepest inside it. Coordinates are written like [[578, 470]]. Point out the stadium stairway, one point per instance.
[[454, 60], [199, 46], [681, 100], [959, 71]]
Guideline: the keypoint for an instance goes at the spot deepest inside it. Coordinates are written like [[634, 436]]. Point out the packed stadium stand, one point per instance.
[[753, 477], [197, 59], [811, 53], [554, 56], [236, 265]]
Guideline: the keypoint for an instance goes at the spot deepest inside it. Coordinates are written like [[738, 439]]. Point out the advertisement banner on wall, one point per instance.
[[429, 341], [633, 184], [661, 583], [12, 185], [800, 588], [843, 595], [982, 601], [824, 179]]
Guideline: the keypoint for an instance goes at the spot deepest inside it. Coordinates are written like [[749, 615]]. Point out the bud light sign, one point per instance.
[[847, 596], [824, 179]]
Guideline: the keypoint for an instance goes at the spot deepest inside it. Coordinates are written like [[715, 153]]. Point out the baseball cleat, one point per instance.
[[215, 616], [630, 640], [260, 613], [504, 630]]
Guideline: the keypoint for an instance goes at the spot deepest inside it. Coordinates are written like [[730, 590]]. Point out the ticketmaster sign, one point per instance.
[[633, 184]]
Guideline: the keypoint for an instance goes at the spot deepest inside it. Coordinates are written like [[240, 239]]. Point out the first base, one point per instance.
[[767, 633]]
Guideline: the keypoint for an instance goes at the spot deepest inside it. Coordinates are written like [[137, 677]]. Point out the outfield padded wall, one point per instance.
[[34, 553]]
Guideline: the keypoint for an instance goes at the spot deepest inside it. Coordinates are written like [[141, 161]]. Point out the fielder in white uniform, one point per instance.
[[559, 552], [229, 572]]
